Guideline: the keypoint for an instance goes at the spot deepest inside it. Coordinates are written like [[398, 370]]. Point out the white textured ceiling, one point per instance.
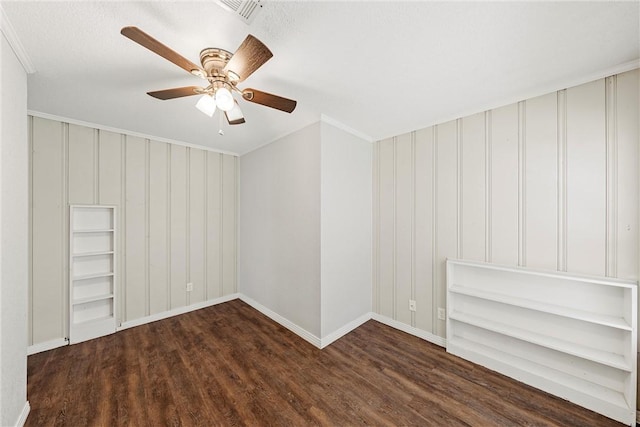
[[381, 68]]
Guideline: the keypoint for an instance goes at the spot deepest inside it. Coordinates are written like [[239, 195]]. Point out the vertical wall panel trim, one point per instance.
[[221, 224], [562, 181], [487, 185], [147, 215], [65, 230], [413, 224], [96, 166], [123, 229], [459, 190], [236, 166], [459, 206], [395, 227], [434, 228], [205, 283], [611, 112], [376, 290], [168, 227], [30, 237], [522, 255], [188, 226]]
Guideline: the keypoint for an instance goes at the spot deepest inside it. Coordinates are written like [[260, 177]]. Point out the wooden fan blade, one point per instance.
[[145, 40], [177, 92], [250, 56], [269, 100], [234, 116]]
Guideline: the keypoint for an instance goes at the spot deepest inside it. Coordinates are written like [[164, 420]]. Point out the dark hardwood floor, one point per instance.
[[230, 365]]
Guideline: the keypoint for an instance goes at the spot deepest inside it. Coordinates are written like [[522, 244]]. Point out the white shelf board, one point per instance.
[[92, 276], [610, 359], [100, 230], [85, 254], [600, 319], [586, 388], [96, 320], [608, 281], [85, 300], [94, 328]]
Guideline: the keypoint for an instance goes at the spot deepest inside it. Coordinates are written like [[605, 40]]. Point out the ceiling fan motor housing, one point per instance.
[[214, 60]]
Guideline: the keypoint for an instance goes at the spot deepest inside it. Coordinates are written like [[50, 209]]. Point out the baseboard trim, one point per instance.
[[23, 415], [344, 330], [45, 346], [427, 336], [175, 312], [324, 342], [301, 332]]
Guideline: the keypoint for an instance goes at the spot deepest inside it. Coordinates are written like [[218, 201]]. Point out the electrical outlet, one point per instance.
[[189, 287], [412, 305], [442, 314]]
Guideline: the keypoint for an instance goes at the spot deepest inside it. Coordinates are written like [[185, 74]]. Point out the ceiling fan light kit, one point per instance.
[[224, 99], [207, 105], [223, 71]]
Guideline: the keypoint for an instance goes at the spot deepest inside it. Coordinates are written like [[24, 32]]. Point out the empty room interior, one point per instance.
[[264, 212]]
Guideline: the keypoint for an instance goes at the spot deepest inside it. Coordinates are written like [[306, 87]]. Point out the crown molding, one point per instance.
[[125, 132], [335, 123], [13, 40], [539, 90]]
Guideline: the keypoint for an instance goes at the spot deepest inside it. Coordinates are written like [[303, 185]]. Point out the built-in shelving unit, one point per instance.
[[92, 267], [570, 335]]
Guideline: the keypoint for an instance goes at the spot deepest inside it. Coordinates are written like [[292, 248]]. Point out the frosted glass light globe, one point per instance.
[[207, 105], [224, 100]]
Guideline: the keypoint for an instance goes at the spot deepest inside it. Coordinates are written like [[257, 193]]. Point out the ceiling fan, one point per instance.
[[222, 70]]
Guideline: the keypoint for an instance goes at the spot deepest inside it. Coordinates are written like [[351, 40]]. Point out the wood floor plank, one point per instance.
[[229, 365]]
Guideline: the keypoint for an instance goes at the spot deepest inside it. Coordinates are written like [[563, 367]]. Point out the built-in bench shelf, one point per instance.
[[573, 336]]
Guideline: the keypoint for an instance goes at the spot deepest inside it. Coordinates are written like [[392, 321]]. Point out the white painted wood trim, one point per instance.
[[335, 123], [562, 180], [124, 131], [394, 266], [488, 180], [611, 143], [176, 311], [323, 118], [15, 43], [628, 283], [279, 137], [522, 199], [532, 93], [336, 335], [22, 418], [427, 336], [47, 345], [302, 333]]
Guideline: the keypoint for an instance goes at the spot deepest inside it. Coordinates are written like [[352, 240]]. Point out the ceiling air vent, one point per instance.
[[246, 10]]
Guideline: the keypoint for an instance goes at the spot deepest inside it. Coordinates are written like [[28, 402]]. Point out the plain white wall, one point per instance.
[[14, 216], [279, 261], [346, 227]]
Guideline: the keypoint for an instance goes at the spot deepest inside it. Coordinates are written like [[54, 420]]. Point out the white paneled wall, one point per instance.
[[176, 214], [550, 182]]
